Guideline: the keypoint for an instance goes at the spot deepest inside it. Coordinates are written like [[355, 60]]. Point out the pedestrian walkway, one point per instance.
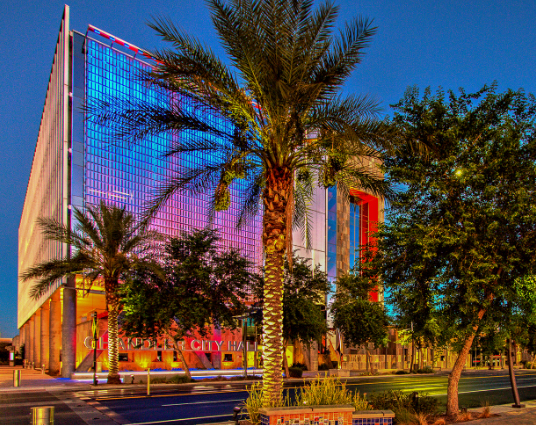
[[507, 415], [33, 380]]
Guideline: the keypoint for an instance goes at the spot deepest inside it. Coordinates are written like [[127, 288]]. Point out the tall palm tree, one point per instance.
[[107, 242], [275, 120]]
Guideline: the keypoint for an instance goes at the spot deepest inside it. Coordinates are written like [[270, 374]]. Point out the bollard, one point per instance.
[[43, 369], [236, 411], [43, 415], [16, 378], [148, 382]]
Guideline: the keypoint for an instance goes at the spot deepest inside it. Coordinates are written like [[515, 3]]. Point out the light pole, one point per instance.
[[94, 329], [245, 349], [244, 319]]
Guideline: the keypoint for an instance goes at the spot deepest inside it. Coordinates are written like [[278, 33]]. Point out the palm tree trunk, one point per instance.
[[113, 350], [275, 197], [285, 361]]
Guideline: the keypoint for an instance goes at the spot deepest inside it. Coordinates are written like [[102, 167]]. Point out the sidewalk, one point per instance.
[[507, 415], [34, 380]]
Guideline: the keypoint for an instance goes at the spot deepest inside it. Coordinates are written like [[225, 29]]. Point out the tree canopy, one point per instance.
[[463, 229], [361, 321], [106, 243], [200, 287]]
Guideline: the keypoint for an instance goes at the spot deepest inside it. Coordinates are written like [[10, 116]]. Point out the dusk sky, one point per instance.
[[447, 43]]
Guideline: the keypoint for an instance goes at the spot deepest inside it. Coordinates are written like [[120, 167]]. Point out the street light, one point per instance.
[[244, 319], [94, 329]]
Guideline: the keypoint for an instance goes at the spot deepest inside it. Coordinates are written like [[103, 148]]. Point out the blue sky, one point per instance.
[[447, 43]]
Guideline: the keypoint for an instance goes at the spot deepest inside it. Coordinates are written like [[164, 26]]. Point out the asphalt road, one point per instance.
[[213, 403]]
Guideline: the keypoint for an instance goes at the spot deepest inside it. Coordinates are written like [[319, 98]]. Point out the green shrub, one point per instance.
[[323, 367], [328, 391], [388, 400], [427, 369], [360, 403], [254, 402], [178, 379], [295, 372], [300, 365], [426, 404], [404, 404], [401, 372]]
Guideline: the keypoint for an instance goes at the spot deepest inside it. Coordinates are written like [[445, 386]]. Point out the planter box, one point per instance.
[[311, 415], [373, 417]]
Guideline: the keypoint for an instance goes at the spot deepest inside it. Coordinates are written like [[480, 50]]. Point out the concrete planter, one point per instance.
[[339, 372], [311, 415], [373, 417]]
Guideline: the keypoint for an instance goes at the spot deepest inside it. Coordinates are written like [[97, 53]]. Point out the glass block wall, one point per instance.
[[332, 234], [128, 175]]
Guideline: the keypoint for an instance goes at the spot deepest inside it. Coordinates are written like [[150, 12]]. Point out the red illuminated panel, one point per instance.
[[368, 224]]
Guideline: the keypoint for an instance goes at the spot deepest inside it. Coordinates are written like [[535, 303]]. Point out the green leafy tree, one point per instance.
[[524, 318], [463, 230], [107, 243], [361, 321], [276, 117], [201, 287], [304, 290], [413, 307]]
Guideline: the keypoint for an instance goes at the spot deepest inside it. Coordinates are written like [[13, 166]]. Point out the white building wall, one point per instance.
[[317, 228], [47, 192]]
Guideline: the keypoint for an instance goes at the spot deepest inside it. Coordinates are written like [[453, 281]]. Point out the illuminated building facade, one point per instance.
[[75, 164]]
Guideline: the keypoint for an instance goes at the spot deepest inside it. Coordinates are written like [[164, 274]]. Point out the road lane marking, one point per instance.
[[485, 390], [181, 420], [203, 402], [102, 398], [404, 382]]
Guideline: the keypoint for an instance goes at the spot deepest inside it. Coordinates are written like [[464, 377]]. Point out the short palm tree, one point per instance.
[[277, 122], [107, 243]]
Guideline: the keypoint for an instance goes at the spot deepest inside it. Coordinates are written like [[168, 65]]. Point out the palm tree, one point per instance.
[[277, 122], [107, 243]]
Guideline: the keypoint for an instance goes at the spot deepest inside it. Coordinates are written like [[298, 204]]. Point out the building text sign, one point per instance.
[[139, 344]]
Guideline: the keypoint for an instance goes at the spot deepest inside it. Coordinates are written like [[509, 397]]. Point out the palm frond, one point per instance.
[[303, 197], [194, 181], [365, 178], [344, 55], [56, 231], [251, 205]]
